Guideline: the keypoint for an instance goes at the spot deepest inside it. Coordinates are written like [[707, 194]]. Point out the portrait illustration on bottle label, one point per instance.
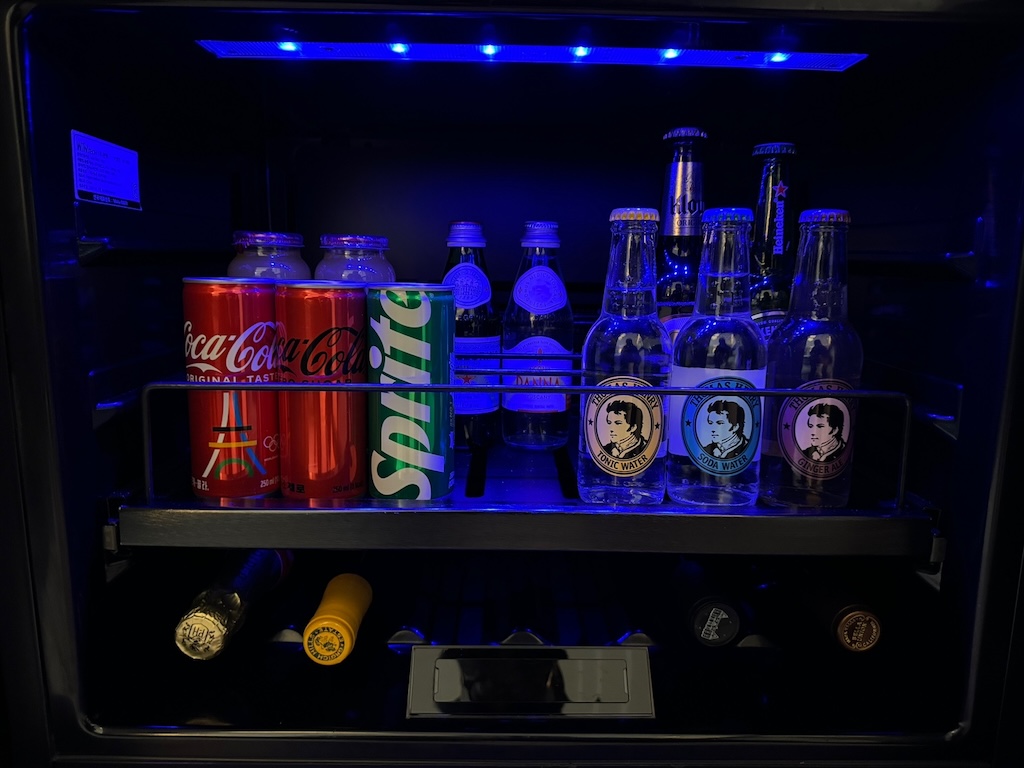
[[624, 431], [815, 432], [720, 431]]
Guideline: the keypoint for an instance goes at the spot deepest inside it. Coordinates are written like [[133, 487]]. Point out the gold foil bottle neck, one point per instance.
[[858, 629], [330, 635]]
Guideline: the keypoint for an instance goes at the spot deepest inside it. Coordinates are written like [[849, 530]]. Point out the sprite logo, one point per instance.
[[409, 431]]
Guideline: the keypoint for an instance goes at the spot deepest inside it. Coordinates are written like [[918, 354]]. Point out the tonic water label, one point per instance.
[[768, 320], [719, 431], [623, 431], [540, 291], [546, 376], [472, 403], [815, 434], [469, 285]]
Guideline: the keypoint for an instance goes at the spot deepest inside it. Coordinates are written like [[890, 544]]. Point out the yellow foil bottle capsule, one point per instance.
[[330, 635]]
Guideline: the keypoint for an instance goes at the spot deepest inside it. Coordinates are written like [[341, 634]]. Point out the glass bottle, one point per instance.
[[538, 321], [774, 247], [218, 612], [355, 258], [715, 439], [679, 243], [809, 439], [621, 445], [477, 331], [269, 255]]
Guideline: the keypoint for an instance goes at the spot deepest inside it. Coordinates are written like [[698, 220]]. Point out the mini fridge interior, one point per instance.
[[395, 119]]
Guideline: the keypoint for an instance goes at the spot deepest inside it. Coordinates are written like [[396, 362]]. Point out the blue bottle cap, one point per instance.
[[540, 234], [247, 239], [775, 148], [466, 233], [732, 215], [635, 214], [825, 216], [685, 133], [355, 242]]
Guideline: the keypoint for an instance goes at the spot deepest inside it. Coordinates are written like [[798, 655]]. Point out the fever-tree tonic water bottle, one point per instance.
[[715, 438], [809, 438], [621, 447], [538, 322], [477, 332]]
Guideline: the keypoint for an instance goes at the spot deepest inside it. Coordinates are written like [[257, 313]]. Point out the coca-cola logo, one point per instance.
[[251, 351], [335, 353]]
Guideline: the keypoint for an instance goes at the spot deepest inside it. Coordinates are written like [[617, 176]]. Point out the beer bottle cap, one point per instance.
[[685, 133], [244, 239], [330, 635], [466, 233], [355, 242], [634, 214], [540, 234], [857, 629], [825, 216], [203, 632], [715, 623], [734, 215], [775, 148]]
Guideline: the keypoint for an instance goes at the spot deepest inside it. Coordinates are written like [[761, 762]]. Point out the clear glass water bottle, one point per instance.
[[268, 255], [621, 446], [355, 258], [537, 322], [679, 243], [714, 445], [477, 331], [809, 439]]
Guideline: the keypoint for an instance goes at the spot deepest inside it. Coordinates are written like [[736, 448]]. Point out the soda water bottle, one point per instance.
[[809, 438], [477, 331], [774, 246], [621, 446], [679, 244], [538, 322], [715, 438]]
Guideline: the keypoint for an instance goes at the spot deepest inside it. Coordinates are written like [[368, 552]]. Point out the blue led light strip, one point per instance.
[[530, 54]]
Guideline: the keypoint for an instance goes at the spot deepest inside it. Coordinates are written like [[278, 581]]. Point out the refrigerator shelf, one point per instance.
[[506, 526]]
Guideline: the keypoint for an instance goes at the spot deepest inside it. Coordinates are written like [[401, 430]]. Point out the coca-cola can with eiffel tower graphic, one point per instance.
[[231, 336]]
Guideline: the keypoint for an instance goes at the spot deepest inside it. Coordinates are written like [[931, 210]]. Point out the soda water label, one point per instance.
[[469, 285], [816, 433], [472, 403], [721, 431], [623, 431], [546, 375], [540, 291]]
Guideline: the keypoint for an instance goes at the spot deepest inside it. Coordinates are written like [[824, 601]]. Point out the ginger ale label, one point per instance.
[[624, 430], [815, 433]]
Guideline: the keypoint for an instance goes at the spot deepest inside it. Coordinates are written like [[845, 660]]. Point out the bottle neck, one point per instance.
[[684, 192], [540, 256], [466, 254], [723, 281], [629, 287], [819, 285], [773, 227]]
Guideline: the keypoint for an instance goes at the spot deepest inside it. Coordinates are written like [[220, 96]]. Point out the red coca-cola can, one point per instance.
[[322, 326], [231, 336]]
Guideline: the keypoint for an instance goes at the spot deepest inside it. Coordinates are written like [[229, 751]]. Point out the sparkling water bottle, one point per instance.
[[477, 331], [621, 446], [715, 438], [809, 439], [538, 322]]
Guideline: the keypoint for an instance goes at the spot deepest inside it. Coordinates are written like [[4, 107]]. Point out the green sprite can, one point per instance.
[[411, 434]]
